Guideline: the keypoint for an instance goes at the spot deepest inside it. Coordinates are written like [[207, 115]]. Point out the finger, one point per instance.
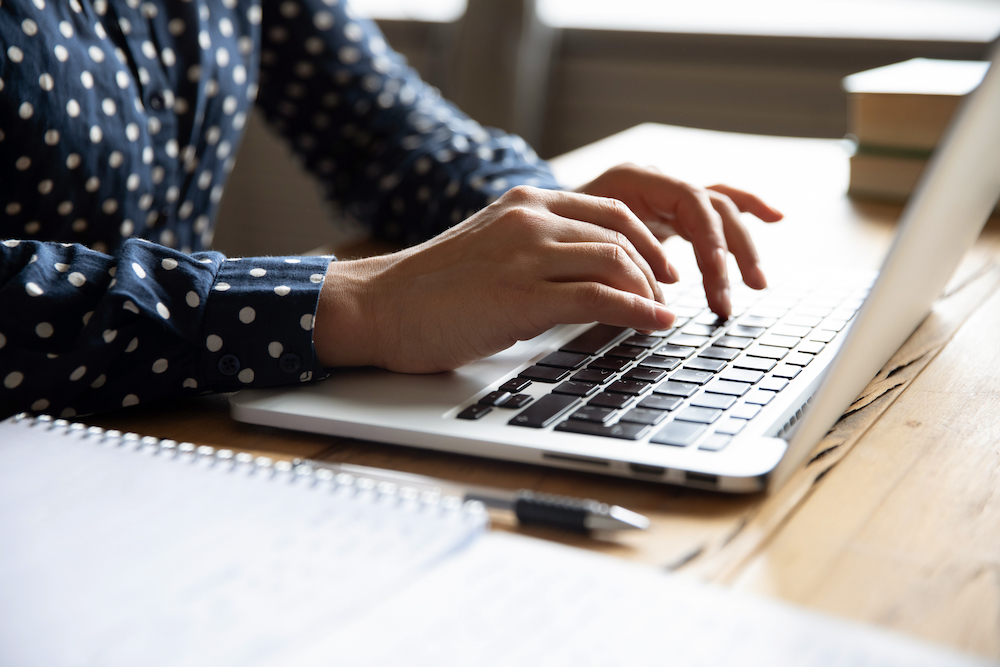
[[574, 231], [703, 227], [739, 241], [613, 214], [580, 302], [603, 263], [749, 203]]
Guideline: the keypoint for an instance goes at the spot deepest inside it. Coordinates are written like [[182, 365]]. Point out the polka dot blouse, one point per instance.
[[119, 123]]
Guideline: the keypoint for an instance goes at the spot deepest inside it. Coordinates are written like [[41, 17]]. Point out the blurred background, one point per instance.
[[564, 73]]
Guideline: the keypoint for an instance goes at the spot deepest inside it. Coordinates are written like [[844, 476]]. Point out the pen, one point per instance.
[[530, 507]]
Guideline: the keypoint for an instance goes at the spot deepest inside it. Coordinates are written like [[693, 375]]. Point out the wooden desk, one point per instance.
[[903, 532]]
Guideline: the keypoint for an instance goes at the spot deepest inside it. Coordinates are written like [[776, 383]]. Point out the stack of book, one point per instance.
[[897, 115]]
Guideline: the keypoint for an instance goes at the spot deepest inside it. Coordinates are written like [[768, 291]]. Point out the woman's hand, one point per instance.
[[531, 260], [706, 217]]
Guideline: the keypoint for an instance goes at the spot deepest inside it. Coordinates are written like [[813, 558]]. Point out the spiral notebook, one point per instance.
[[118, 550]]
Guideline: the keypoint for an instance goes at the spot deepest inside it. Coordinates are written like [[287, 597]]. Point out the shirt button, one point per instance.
[[289, 362], [229, 365], [157, 101]]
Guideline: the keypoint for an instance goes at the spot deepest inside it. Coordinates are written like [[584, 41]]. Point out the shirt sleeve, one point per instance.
[[98, 332], [395, 156]]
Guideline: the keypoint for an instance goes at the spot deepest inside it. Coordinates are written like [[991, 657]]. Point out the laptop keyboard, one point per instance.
[[700, 381]]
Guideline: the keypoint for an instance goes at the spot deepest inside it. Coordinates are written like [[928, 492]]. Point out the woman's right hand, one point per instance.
[[531, 260]]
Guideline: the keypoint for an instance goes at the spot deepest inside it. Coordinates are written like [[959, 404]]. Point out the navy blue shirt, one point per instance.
[[119, 123]]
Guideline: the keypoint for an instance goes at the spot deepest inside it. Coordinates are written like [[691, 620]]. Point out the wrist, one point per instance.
[[346, 331]]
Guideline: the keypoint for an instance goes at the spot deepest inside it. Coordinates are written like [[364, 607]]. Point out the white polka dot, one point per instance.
[[305, 377], [76, 279], [222, 287], [222, 57], [139, 271], [33, 289], [62, 55], [192, 299], [213, 343], [247, 315], [66, 29], [46, 82], [96, 54], [258, 273], [23, 163], [130, 306], [96, 134], [275, 349], [246, 375], [306, 322], [169, 263], [40, 405], [87, 316], [163, 311], [168, 57], [190, 383], [99, 382], [109, 335], [132, 131], [109, 206], [25, 111], [78, 373], [15, 54], [130, 400], [292, 261], [349, 55], [13, 379], [44, 330], [92, 184], [316, 278], [108, 106], [33, 227], [160, 365], [282, 290], [73, 160], [323, 20], [254, 14], [132, 346], [61, 267], [80, 225], [3, 340]]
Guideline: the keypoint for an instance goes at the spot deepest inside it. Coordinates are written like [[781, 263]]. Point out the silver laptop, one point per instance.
[[725, 405]]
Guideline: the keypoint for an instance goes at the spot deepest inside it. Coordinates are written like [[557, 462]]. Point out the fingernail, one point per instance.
[[664, 316]]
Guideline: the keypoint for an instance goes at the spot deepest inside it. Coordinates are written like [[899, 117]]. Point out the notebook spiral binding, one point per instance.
[[262, 466]]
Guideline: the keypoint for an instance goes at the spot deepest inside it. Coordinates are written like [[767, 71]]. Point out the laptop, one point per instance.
[[731, 406]]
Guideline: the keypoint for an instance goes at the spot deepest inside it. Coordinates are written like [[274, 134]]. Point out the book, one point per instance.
[[118, 550]]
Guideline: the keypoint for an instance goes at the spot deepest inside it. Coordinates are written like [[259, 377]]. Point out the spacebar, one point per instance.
[[544, 411]]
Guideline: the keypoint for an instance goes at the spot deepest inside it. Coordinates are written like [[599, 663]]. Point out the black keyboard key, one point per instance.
[[516, 402], [494, 397], [745, 411], [715, 442], [624, 431], [625, 352], [699, 364], [474, 412], [760, 397], [658, 402], [745, 331], [728, 388], [699, 415], [645, 375], [687, 340], [568, 360], [614, 401], [714, 401], [699, 329], [661, 363], [594, 375], [786, 371], [810, 347], [644, 416], [593, 413], [678, 434], [594, 339], [774, 384], [726, 354], [755, 364], [733, 341], [730, 426], [696, 377], [515, 385], [711, 320], [677, 351], [643, 341], [544, 374], [544, 411], [606, 363], [798, 359], [629, 387], [767, 352], [574, 388], [741, 375], [672, 388]]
